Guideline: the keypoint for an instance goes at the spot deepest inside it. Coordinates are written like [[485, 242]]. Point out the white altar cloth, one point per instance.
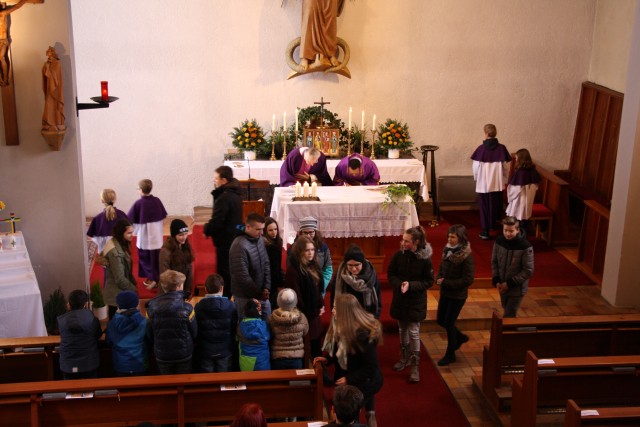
[[391, 170], [344, 212], [21, 312]]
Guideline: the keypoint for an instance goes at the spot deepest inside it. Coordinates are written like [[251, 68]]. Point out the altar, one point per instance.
[[346, 215], [21, 313], [391, 171]]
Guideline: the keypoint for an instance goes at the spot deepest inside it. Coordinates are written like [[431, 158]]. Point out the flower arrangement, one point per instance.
[[248, 136], [2, 206], [394, 134]]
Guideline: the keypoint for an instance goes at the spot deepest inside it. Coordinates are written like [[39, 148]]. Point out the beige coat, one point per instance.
[[288, 330]]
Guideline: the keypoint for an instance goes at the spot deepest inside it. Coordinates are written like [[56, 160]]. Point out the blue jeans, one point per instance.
[[212, 364], [277, 364]]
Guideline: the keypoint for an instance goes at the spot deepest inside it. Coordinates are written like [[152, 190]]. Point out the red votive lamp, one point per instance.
[[104, 90]]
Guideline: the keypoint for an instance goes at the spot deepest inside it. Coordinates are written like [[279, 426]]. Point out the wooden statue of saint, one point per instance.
[[53, 115]]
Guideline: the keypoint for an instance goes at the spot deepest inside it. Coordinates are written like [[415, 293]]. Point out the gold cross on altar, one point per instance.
[[6, 72]]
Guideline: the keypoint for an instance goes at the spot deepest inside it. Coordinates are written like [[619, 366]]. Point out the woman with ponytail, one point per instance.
[[102, 224]]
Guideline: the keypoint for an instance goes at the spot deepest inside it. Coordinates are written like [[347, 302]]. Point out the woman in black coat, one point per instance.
[[455, 275], [410, 274]]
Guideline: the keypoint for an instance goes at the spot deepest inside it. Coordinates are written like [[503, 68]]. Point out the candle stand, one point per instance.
[[373, 142]]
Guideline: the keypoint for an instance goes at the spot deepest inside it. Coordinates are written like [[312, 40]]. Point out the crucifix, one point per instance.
[[6, 72], [322, 104]]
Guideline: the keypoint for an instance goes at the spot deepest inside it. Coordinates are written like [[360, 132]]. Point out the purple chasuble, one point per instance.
[[491, 151], [524, 176], [147, 209], [368, 175], [100, 227], [292, 165]]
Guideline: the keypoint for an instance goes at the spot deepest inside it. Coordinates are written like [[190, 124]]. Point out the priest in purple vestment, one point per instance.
[[356, 170], [304, 164]]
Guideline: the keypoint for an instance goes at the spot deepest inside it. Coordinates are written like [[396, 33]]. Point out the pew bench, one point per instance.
[[547, 384], [623, 416], [560, 336], [160, 399]]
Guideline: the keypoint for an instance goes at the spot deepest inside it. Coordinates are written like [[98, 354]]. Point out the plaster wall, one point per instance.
[[44, 187], [187, 72], [611, 43]]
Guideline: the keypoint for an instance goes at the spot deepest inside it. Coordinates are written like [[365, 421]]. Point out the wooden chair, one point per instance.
[[542, 213]]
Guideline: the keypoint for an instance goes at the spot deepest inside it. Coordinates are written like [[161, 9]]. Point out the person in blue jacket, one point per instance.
[[253, 337], [126, 336]]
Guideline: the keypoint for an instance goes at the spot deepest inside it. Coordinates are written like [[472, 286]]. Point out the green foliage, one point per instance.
[[96, 295], [55, 306], [396, 193]]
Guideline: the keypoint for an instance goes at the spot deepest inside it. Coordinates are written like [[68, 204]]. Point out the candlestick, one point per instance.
[[363, 134], [284, 137], [350, 111], [373, 126], [362, 126], [314, 189], [305, 189], [298, 189], [373, 142], [297, 114], [273, 124], [349, 141], [104, 90]]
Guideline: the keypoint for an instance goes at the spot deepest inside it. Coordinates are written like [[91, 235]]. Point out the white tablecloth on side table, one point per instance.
[[344, 212], [21, 312]]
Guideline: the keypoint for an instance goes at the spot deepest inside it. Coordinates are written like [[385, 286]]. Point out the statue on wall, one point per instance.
[[5, 39], [53, 126], [319, 41]]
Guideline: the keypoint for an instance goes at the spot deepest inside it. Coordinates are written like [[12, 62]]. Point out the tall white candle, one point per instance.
[[373, 126], [297, 114], [273, 124], [362, 126], [284, 122], [350, 111], [314, 189], [305, 189]]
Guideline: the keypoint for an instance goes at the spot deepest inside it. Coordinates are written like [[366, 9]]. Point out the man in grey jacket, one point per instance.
[[250, 268], [511, 265]]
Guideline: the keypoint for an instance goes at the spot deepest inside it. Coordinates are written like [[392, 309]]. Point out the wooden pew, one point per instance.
[[560, 336], [607, 381], [623, 416], [160, 399], [31, 362]]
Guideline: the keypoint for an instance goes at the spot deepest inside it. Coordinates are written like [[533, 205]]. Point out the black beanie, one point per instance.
[[354, 253], [178, 226]]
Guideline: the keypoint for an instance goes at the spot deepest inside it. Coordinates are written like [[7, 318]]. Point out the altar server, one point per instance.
[[147, 215], [490, 172], [356, 169], [522, 187], [101, 226], [302, 165]]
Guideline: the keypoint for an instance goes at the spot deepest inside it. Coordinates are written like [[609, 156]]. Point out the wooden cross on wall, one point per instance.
[[10, 114], [322, 103]]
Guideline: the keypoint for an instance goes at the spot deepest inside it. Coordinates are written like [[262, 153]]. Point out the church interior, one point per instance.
[[186, 73]]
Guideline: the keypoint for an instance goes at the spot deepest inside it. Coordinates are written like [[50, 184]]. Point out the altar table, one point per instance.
[[391, 170], [21, 312], [346, 215]]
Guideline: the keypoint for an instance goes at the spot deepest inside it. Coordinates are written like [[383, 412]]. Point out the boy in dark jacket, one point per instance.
[[217, 322], [511, 265], [126, 335], [79, 334], [172, 326]]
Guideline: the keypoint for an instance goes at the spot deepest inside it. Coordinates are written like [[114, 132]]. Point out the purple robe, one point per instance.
[[292, 165], [491, 151], [147, 209], [368, 172], [100, 227], [524, 176]]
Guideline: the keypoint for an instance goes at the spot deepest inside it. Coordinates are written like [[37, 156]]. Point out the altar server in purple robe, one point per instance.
[[490, 170], [356, 170], [522, 187], [147, 215], [304, 164], [101, 227]]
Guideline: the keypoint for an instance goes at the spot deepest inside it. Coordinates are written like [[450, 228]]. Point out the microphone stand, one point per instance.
[[249, 180]]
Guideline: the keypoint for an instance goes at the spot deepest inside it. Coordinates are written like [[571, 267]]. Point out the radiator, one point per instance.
[[456, 190]]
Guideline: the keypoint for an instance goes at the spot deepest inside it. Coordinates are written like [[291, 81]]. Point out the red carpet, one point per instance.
[[400, 403]]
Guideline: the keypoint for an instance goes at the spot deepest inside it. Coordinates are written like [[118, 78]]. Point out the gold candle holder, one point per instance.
[[273, 147], [363, 134], [349, 142], [373, 142], [284, 143]]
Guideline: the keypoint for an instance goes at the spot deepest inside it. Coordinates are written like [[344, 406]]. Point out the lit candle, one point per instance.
[[273, 124], [305, 189], [284, 122], [314, 189], [298, 189], [297, 113], [362, 127], [350, 111], [104, 90], [373, 126]]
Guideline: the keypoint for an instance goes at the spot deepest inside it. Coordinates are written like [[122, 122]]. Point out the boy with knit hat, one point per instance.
[[126, 335], [288, 328]]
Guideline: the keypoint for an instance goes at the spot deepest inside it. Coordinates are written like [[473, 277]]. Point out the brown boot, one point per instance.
[[404, 358], [371, 419], [415, 361]]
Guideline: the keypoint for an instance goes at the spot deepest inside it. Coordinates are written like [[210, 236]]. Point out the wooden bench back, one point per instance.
[[623, 416]]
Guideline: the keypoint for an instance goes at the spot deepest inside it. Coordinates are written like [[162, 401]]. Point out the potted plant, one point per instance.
[[55, 306], [97, 301], [393, 137], [396, 193], [248, 137]]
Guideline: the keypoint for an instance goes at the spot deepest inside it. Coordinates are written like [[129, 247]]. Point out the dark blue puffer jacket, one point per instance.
[[126, 335], [173, 326], [217, 322]]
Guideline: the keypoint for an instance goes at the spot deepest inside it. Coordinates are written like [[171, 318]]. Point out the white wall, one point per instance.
[[187, 72], [41, 186]]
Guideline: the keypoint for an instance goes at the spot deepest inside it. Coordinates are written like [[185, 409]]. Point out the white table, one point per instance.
[[391, 170], [344, 212], [21, 312]]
